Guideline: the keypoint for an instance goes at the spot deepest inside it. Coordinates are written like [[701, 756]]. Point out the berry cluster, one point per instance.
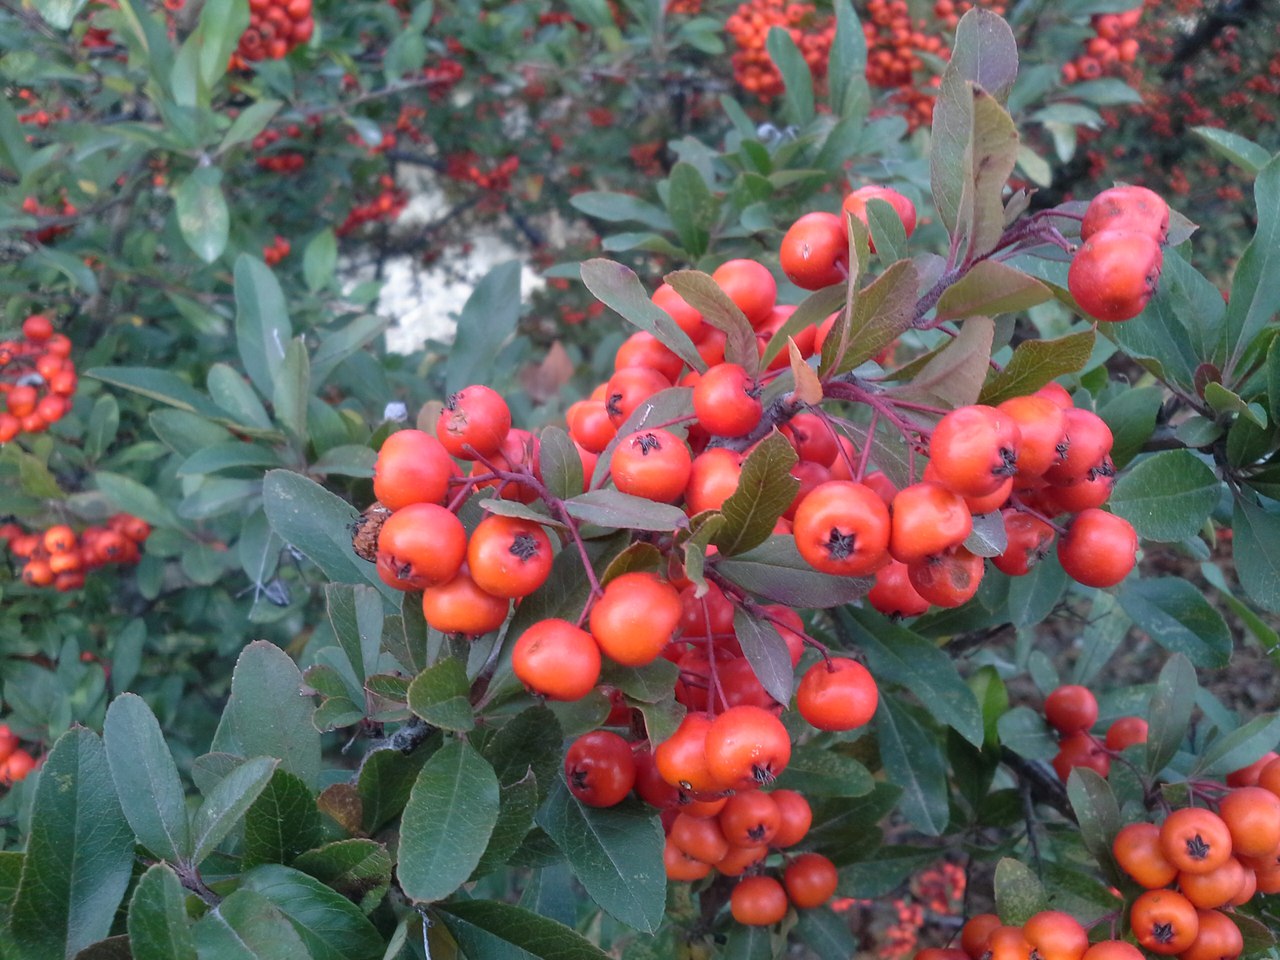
[[276, 251], [896, 48], [387, 205], [1072, 710], [442, 77], [288, 161], [1116, 270], [16, 763], [56, 557], [37, 378], [1050, 934], [1114, 44], [465, 167], [275, 28], [749, 25], [37, 209]]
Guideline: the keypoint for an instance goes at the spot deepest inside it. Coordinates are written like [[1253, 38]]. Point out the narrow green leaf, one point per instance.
[[1169, 715], [1176, 615], [615, 852], [227, 802], [559, 463], [60, 14], [1036, 362], [1256, 551], [515, 820], [146, 778], [619, 289], [621, 511], [262, 322], [282, 822], [493, 930], [692, 208], [158, 926], [766, 489], [247, 926], [1242, 152], [356, 615], [776, 571], [331, 926], [913, 761], [796, 76], [767, 653], [1096, 811], [704, 295], [79, 853], [292, 390], [822, 772], [447, 823], [487, 321], [1239, 748], [359, 869], [1255, 285]]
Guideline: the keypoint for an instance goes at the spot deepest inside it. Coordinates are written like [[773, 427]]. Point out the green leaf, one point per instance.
[[882, 312], [1239, 748], [1024, 732], [292, 390], [356, 615], [692, 208], [821, 772], [992, 288], [79, 853], [104, 423], [1255, 285], [227, 802], [847, 68], [221, 24], [158, 926], [250, 122], [125, 493], [262, 322], [1019, 895], [493, 930], [282, 822], [10, 874], [267, 716], [1169, 715], [749, 943], [247, 926], [447, 823], [956, 374], [1176, 615], [615, 852], [1132, 417], [1033, 597], [896, 654], [1256, 551], [231, 455], [316, 522], [1167, 496], [359, 869], [623, 511], [705, 295], [59, 14], [233, 394], [440, 695], [1243, 152], [826, 933], [620, 207], [386, 781], [515, 819], [331, 926], [559, 463], [159, 385], [202, 213], [146, 778], [532, 738], [776, 571], [1096, 812], [796, 77], [619, 289], [913, 760], [1036, 362], [886, 871], [647, 684], [766, 489], [487, 321], [767, 653], [338, 345]]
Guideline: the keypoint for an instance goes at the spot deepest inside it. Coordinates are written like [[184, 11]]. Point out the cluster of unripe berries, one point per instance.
[[37, 378], [16, 763], [749, 26], [1072, 710], [276, 251], [1114, 44], [275, 28], [1117, 268], [57, 557]]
